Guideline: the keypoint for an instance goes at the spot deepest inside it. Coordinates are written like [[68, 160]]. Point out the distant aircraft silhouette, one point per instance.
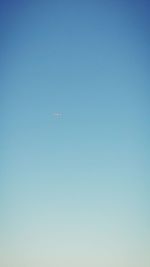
[[57, 115]]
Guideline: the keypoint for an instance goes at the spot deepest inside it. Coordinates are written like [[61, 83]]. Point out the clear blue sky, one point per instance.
[[75, 191]]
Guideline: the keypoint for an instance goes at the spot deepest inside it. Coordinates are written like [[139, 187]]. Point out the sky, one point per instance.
[[74, 133]]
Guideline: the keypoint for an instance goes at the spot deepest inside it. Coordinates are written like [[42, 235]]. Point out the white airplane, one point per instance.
[[57, 115]]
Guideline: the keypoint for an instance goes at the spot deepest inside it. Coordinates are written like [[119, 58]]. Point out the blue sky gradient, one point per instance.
[[75, 191]]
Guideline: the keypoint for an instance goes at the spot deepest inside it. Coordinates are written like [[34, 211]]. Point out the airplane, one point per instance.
[[57, 115]]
